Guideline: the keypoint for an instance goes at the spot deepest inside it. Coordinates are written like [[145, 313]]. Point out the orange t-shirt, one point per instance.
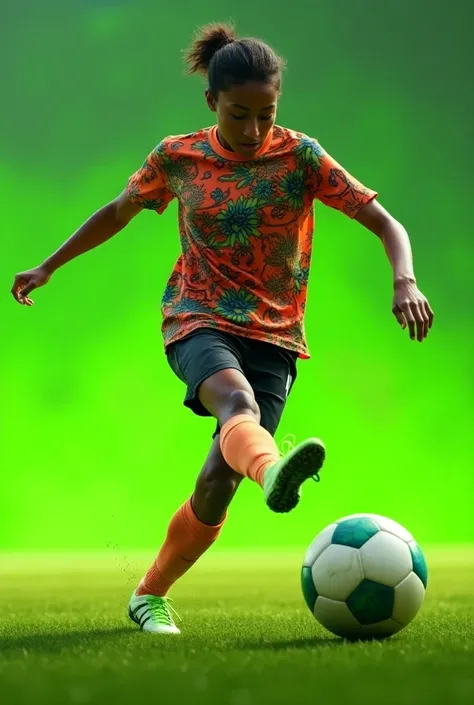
[[246, 228]]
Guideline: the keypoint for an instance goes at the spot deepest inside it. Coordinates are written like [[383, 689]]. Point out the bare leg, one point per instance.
[[215, 488]]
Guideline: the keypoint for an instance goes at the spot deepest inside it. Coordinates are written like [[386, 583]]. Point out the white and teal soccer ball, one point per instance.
[[364, 576]]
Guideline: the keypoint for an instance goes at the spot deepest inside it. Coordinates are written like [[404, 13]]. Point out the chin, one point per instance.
[[249, 151]]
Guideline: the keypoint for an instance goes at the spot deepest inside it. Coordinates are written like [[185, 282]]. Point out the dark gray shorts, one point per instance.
[[269, 369]]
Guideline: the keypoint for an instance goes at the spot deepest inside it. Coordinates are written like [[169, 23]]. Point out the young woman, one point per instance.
[[233, 308]]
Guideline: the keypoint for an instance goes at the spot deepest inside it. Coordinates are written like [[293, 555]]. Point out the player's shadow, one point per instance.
[[55, 643], [51, 643]]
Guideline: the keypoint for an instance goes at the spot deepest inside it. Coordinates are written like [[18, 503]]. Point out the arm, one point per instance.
[[409, 305], [329, 182], [394, 238], [146, 188], [99, 228]]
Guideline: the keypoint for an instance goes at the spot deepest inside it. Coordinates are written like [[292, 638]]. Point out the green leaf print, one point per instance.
[[237, 305], [244, 174], [171, 292], [293, 185], [310, 152], [238, 222], [264, 192], [204, 147]]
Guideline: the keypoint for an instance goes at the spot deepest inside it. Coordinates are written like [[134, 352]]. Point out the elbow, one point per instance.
[[124, 210]]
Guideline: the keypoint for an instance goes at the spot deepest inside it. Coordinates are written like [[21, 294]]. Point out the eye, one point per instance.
[[242, 117]]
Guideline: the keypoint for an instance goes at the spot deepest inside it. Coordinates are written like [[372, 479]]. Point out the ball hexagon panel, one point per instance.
[[409, 596], [386, 559], [320, 543], [354, 532], [337, 572], [307, 585], [354, 516], [384, 523], [371, 602], [392, 527], [336, 617], [419, 564]]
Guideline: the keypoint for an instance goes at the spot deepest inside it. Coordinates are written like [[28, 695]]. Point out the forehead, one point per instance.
[[253, 95]]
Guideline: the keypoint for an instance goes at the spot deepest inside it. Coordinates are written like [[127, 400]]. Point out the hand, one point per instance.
[[411, 308], [25, 282]]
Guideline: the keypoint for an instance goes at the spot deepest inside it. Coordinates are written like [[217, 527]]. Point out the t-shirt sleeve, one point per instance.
[[330, 183], [148, 187]]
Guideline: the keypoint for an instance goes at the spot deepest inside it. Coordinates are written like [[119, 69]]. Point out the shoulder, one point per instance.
[[299, 143], [175, 144], [287, 134]]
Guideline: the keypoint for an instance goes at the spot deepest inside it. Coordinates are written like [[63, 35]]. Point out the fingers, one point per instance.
[[424, 319], [398, 313], [27, 289], [422, 324], [20, 290], [408, 313], [419, 318], [429, 313], [18, 284], [24, 300]]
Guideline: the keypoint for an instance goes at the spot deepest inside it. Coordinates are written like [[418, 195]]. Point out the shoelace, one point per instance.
[[286, 445], [161, 609]]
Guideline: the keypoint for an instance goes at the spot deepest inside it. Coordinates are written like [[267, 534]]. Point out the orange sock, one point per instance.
[[187, 539], [248, 447]]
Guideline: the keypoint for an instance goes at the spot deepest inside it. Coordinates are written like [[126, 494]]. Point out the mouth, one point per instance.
[[251, 146]]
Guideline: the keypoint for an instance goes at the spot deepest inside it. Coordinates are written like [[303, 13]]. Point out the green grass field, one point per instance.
[[247, 636]]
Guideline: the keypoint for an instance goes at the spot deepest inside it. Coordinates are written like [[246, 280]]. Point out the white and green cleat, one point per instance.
[[153, 614], [282, 481]]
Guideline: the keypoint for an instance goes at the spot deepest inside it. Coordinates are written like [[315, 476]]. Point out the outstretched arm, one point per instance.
[[101, 226], [410, 307]]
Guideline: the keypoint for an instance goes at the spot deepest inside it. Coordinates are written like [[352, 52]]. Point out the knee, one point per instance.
[[241, 401]]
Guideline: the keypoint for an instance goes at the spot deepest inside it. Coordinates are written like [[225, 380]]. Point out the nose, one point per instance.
[[251, 130]]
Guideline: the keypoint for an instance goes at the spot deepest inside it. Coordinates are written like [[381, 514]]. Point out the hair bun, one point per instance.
[[219, 36], [209, 39]]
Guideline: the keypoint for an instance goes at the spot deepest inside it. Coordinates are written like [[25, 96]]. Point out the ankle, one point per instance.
[[159, 588], [260, 472]]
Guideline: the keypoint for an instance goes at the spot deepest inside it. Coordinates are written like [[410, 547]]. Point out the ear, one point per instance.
[[211, 101]]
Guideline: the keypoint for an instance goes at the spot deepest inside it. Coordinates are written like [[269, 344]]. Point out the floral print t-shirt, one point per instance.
[[246, 229]]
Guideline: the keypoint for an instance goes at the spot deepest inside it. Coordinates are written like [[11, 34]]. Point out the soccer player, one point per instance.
[[233, 308]]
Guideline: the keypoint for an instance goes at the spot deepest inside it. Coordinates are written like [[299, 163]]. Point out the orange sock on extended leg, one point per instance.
[[248, 447], [187, 539]]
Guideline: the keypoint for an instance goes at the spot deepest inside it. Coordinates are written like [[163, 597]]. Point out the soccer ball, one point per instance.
[[364, 576]]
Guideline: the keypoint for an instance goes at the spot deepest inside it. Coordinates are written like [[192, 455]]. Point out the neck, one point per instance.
[[222, 141]]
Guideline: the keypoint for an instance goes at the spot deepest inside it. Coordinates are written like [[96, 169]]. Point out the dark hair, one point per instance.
[[217, 53]]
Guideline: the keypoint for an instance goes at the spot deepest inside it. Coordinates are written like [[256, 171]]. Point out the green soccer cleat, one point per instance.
[[153, 614], [282, 481]]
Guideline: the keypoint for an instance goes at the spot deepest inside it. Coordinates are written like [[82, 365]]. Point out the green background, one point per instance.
[[96, 449]]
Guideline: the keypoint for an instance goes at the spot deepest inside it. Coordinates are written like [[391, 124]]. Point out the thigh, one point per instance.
[[271, 372], [226, 392], [199, 356]]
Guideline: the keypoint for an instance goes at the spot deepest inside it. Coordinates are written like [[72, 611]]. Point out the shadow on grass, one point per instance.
[[286, 644], [55, 643], [42, 643], [311, 643]]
